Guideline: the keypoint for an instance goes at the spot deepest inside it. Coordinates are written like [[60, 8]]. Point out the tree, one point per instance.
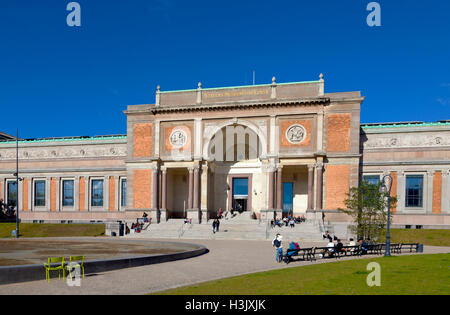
[[368, 207]]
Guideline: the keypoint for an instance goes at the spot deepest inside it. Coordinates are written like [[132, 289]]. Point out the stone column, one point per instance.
[[445, 199], [47, 193], [20, 194], [319, 193], [87, 184], [196, 188], [30, 195], [154, 201], [106, 193], [164, 188], [428, 190], [279, 188], [271, 174], [310, 187], [191, 187], [401, 182], [58, 201], [117, 193], [76, 193]]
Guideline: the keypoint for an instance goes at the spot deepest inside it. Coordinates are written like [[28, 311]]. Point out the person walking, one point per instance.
[[214, 226], [277, 243], [217, 225]]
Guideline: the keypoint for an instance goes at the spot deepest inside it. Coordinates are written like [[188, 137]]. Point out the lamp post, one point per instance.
[[385, 189], [17, 184]]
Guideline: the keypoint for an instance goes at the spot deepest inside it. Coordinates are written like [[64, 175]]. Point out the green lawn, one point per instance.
[[52, 230], [426, 237], [401, 275]]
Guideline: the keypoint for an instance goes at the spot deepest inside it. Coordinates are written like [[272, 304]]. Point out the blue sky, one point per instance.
[[61, 81]]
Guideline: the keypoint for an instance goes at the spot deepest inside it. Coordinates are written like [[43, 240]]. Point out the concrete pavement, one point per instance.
[[226, 258]]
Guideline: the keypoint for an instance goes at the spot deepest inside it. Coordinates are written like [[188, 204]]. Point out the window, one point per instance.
[[39, 193], [67, 192], [414, 191], [123, 190], [12, 193], [372, 179], [97, 193]]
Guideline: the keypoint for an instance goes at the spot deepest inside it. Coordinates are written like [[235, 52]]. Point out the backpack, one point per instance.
[[296, 246], [277, 243]]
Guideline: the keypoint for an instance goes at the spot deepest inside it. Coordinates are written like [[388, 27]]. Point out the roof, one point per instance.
[[405, 124], [67, 139]]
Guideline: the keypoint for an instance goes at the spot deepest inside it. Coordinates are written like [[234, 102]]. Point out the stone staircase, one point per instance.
[[240, 227]]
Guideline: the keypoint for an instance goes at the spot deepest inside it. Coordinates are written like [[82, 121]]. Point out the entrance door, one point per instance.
[[240, 194], [288, 199]]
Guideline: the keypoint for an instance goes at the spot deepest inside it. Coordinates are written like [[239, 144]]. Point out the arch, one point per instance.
[[208, 134]]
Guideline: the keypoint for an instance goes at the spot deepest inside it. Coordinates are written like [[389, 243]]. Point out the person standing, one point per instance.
[[277, 243], [214, 226], [217, 225]]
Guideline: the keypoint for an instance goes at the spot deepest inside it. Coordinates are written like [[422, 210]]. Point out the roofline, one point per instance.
[[66, 139], [239, 87], [405, 124]]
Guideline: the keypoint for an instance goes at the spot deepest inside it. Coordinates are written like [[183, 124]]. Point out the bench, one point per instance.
[[396, 248], [409, 246], [307, 254], [324, 251]]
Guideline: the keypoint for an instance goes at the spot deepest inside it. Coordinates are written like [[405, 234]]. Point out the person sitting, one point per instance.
[[278, 223], [339, 247], [329, 250], [291, 251], [145, 215], [272, 224], [328, 236], [362, 247], [352, 243], [292, 223]]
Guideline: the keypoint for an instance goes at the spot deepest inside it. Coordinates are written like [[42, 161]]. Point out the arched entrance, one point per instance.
[[234, 152]]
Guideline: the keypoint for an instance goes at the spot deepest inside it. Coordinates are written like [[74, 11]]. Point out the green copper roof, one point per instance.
[[405, 125], [238, 87], [67, 139]]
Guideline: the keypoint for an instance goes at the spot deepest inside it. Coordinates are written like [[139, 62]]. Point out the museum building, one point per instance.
[[284, 147]]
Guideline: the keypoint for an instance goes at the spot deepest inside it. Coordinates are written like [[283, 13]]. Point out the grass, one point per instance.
[[52, 230], [401, 275], [426, 237]]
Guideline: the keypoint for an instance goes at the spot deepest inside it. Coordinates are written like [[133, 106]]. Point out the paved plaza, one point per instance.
[[226, 258]]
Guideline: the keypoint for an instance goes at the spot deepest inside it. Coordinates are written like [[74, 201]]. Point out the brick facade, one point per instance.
[[437, 191], [338, 137], [142, 189], [82, 194], [143, 140], [337, 185]]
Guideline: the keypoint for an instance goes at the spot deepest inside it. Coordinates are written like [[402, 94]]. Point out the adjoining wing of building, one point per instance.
[[284, 147]]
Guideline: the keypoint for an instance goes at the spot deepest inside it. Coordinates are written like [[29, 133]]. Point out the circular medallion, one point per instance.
[[295, 134], [178, 138]]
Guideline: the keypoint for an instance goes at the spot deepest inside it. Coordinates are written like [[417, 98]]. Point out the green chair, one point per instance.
[[60, 267], [79, 260]]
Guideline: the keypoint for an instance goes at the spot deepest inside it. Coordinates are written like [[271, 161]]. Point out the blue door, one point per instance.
[[288, 199], [240, 194]]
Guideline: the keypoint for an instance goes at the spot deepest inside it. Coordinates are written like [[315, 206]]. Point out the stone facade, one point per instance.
[[283, 148]]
